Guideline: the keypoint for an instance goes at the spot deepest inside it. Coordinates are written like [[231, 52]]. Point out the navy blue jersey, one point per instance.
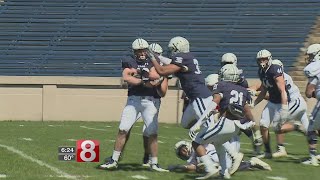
[[268, 81], [243, 82], [139, 90], [192, 81], [231, 94]]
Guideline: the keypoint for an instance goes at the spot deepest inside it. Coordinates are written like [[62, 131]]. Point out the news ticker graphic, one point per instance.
[[84, 151]]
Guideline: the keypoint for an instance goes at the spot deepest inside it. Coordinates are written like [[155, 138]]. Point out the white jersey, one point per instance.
[[312, 71], [211, 151], [293, 89]]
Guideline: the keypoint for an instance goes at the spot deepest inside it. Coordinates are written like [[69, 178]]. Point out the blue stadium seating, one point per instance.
[[89, 37]]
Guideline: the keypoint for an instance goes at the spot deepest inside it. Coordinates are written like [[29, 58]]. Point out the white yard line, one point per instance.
[[3, 176], [85, 127], [276, 177], [41, 163], [139, 177]]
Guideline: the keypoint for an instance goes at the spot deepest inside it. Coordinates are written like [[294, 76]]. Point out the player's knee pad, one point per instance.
[[277, 127], [312, 137]]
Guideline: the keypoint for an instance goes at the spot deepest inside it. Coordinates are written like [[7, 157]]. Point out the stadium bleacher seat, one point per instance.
[[88, 37]]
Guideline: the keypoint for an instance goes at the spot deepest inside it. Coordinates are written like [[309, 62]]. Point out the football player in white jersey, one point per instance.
[[312, 72], [184, 151]]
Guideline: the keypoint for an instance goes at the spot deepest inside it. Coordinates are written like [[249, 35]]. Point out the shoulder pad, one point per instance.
[[312, 69]]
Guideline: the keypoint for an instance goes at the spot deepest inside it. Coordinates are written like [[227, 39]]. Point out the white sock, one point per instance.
[[116, 155], [154, 160]]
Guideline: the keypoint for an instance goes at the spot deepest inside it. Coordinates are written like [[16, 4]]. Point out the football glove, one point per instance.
[[284, 114]]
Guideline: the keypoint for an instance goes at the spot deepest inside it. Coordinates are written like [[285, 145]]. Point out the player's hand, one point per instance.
[[136, 75], [150, 54], [245, 125], [284, 114], [252, 92], [200, 168]]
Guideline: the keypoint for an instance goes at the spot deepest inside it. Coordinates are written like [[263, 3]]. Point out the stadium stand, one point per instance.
[[88, 37]]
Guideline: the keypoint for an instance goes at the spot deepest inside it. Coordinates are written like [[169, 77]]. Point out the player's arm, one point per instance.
[[153, 75], [311, 88], [261, 96], [127, 76], [163, 87], [183, 168], [256, 86], [281, 84], [165, 70]]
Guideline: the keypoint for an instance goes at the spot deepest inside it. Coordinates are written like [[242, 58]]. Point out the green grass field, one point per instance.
[[29, 150]]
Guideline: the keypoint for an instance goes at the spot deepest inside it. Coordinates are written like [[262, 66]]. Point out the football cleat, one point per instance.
[[236, 161], [281, 152], [257, 163], [156, 167], [311, 161], [225, 175], [107, 159], [146, 162], [318, 157], [111, 164], [265, 155]]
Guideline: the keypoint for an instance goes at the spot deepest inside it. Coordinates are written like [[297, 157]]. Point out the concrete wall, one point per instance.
[[79, 99]]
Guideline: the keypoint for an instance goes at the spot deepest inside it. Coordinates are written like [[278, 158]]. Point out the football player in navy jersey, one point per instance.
[[276, 111], [186, 67], [143, 98], [233, 106], [230, 58], [297, 109], [254, 134]]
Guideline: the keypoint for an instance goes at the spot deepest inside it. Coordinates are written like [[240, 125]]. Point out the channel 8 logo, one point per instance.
[[88, 151]]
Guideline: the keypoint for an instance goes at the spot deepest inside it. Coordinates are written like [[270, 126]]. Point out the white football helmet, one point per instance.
[[179, 45], [229, 72], [264, 54], [313, 53], [277, 62], [179, 145], [229, 58], [140, 44], [211, 79], [155, 47]]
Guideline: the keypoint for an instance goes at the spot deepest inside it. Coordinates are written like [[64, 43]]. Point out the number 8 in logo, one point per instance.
[[87, 151]]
